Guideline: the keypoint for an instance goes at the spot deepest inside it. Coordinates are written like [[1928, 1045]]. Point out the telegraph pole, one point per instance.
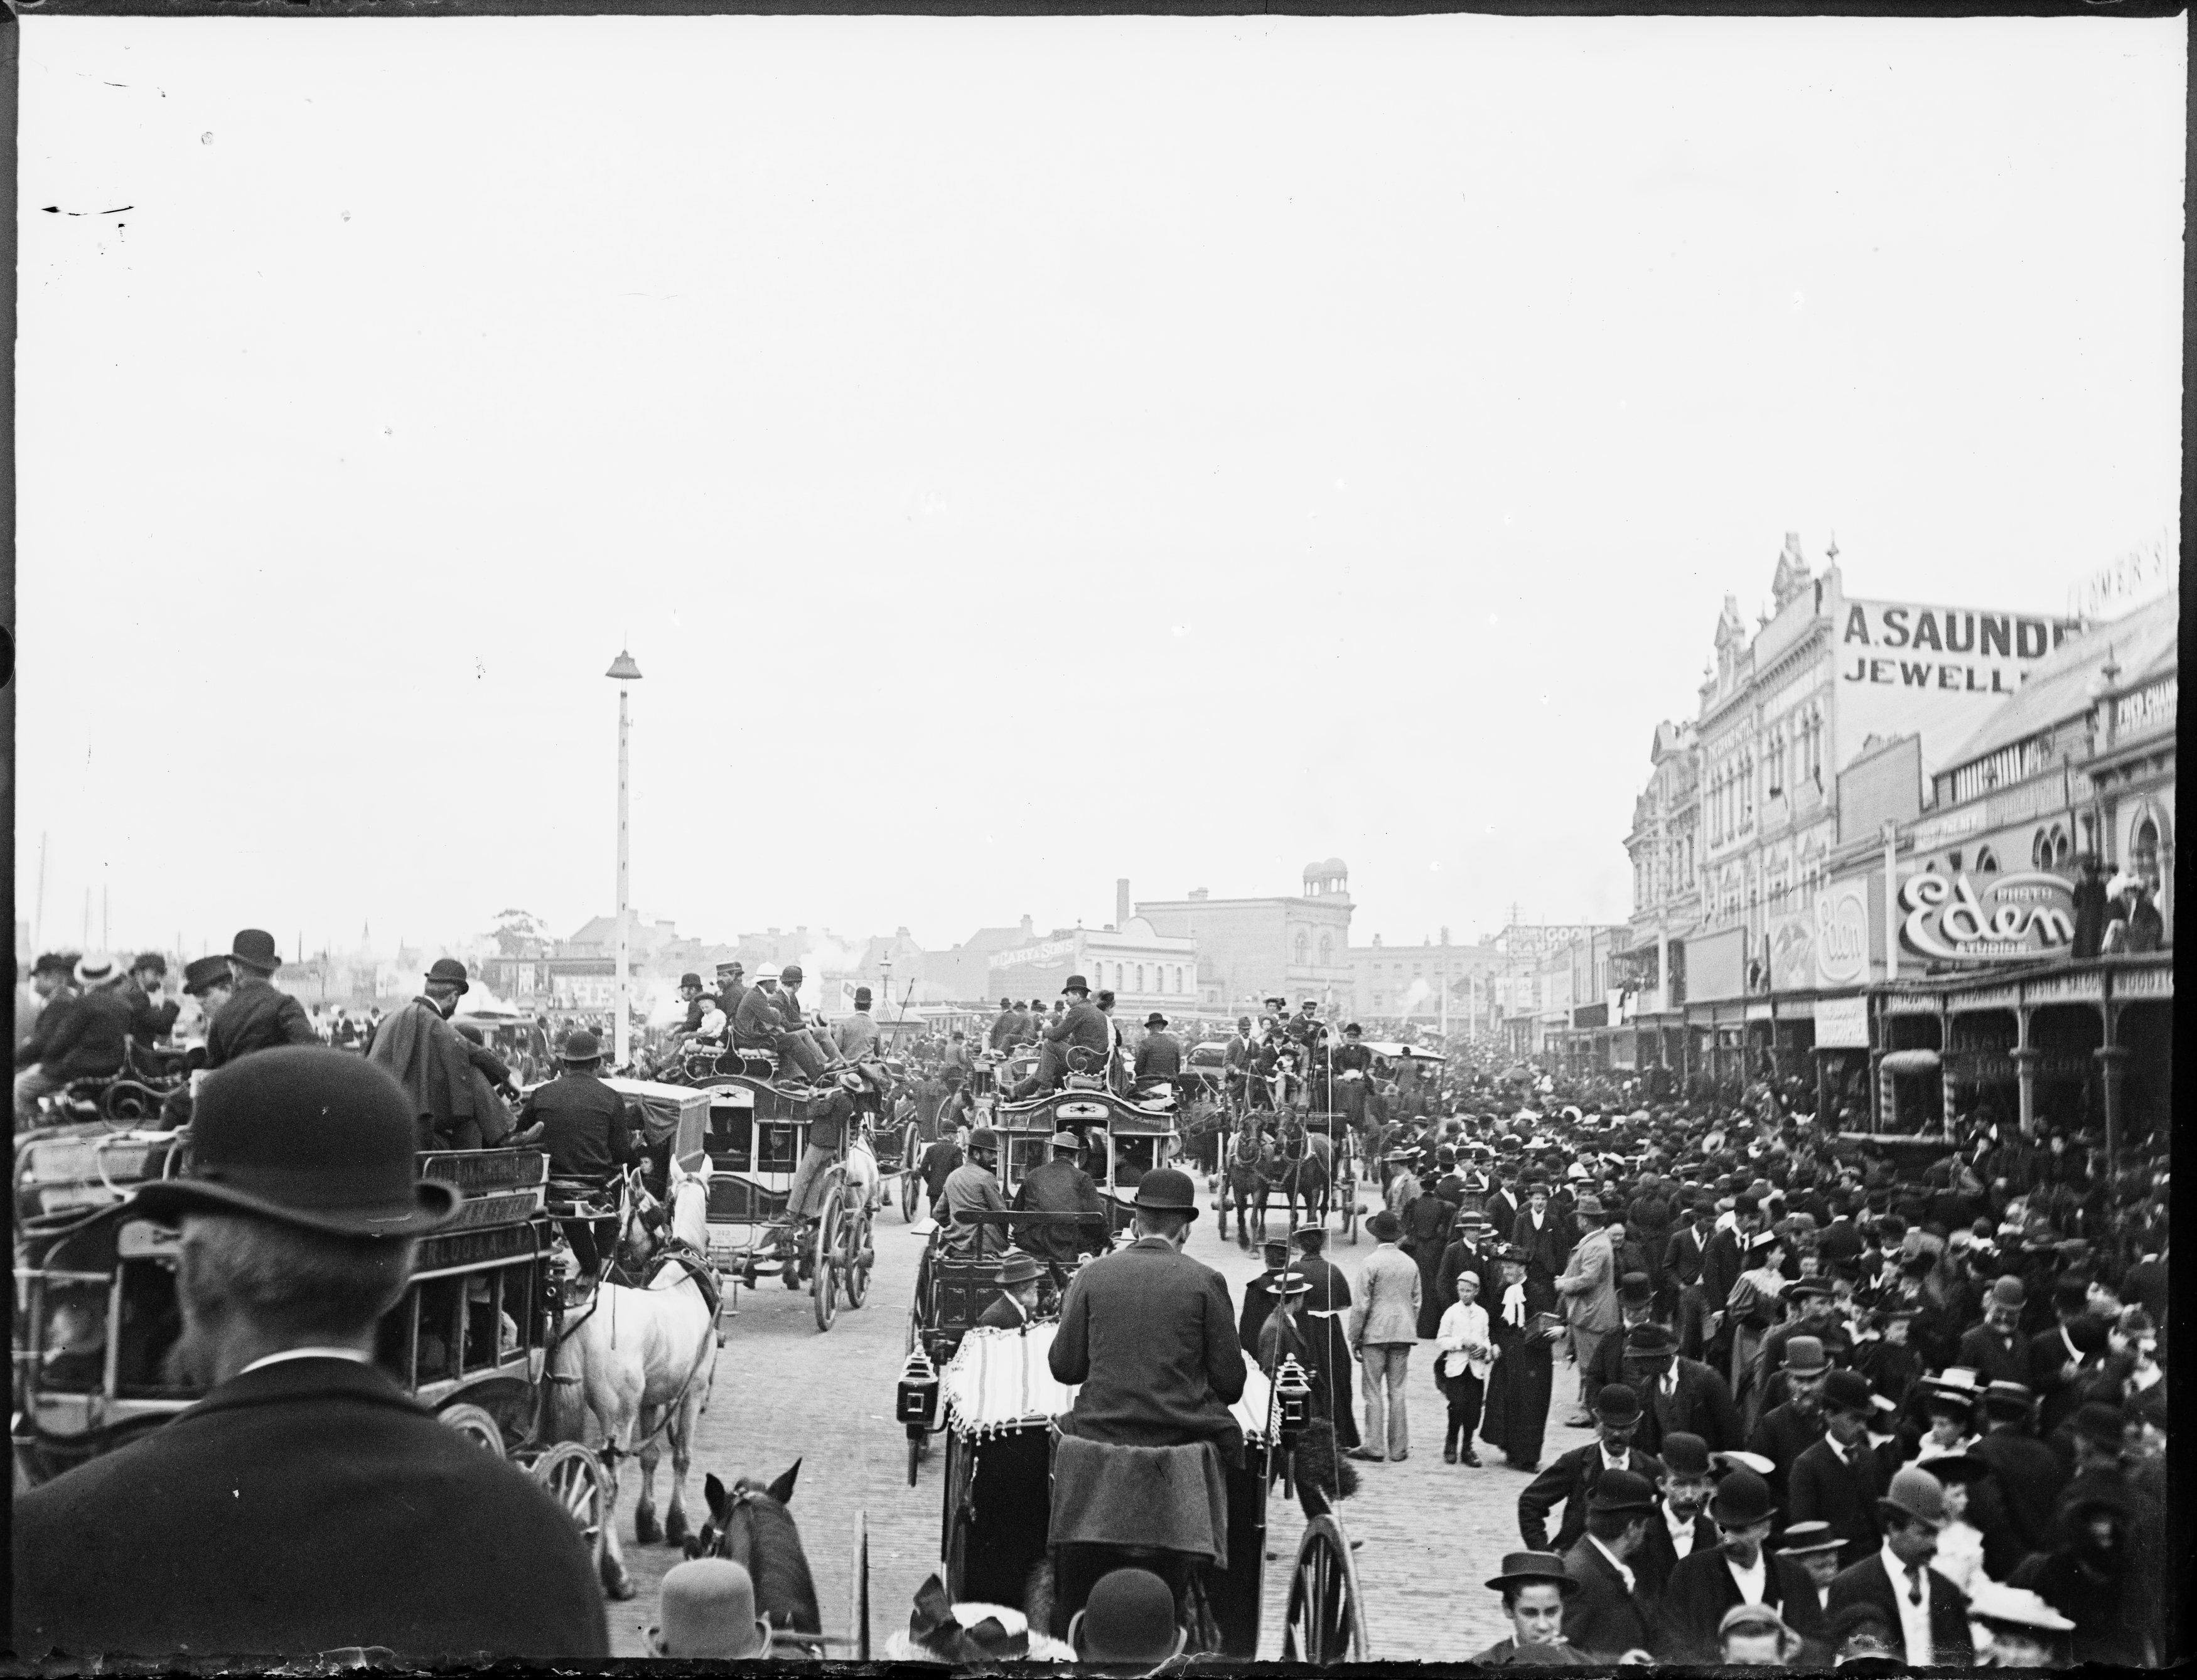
[[623, 672]]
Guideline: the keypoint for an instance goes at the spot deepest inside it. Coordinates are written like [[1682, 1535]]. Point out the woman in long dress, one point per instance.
[[1517, 1415], [1756, 1303]]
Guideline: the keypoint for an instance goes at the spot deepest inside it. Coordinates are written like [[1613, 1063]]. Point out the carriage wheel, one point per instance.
[[476, 1424], [858, 1595], [575, 1479], [1326, 1618], [856, 1281], [826, 1287]]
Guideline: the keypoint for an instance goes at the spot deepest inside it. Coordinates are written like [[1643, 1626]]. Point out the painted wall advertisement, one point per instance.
[[2022, 917], [1849, 933], [1935, 671], [1793, 952]]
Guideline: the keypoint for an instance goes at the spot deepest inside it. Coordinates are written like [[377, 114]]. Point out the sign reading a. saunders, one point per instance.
[[2018, 918], [1936, 671]]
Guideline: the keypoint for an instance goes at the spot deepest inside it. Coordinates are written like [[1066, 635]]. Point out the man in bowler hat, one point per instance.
[[258, 1016], [451, 1082], [306, 1504], [1572, 1478], [1081, 1027]]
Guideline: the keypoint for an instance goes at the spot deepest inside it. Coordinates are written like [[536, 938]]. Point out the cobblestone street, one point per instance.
[[1430, 1532]]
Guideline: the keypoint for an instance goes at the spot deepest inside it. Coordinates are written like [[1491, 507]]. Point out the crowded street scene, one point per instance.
[[1309, 1037]]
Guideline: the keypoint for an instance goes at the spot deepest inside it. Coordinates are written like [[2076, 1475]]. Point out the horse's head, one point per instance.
[[690, 1205], [749, 1524], [640, 1231]]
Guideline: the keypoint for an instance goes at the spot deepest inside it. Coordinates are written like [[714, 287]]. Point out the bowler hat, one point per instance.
[[1847, 1391], [305, 1137], [1018, 1267], [1523, 1568], [149, 962], [2088, 1333], [983, 1138], [1741, 1499], [1804, 1357], [581, 1046], [1130, 1617], [861, 996], [54, 962], [1076, 983], [255, 949], [1166, 1191], [1615, 1403], [1156, 1019], [1812, 1536], [691, 978], [447, 972], [2006, 1398], [202, 973], [1622, 1490], [706, 1608], [1384, 1226], [2008, 1292], [1067, 1143], [1650, 1340], [790, 973], [1917, 1495], [1685, 1455], [1635, 1288], [1353, 1030]]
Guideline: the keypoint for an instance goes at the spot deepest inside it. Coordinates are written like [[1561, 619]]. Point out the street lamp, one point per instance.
[[622, 671]]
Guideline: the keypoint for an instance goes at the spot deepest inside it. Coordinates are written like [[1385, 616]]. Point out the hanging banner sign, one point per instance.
[[1841, 1023], [1842, 944], [2019, 918]]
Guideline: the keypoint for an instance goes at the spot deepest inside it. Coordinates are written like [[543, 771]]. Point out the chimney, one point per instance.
[[1028, 930], [1121, 902]]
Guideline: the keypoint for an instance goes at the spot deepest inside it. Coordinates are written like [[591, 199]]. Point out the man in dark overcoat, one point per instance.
[[307, 1503], [256, 1016], [1705, 1584], [1570, 1479], [449, 1080], [1061, 1186]]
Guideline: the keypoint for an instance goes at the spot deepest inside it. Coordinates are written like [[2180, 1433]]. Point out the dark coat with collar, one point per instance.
[[1781, 1435], [79, 1035], [1151, 1335], [1994, 1357], [1060, 1186], [1823, 1488], [1868, 1583], [1005, 1313], [1657, 1557], [1605, 1618], [1701, 1404], [149, 1021], [1700, 1589], [256, 1016], [1570, 1479], [303, 1507]]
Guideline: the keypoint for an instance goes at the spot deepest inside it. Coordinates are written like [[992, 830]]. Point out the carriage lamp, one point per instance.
[[918, 1406], [1293, 1400]]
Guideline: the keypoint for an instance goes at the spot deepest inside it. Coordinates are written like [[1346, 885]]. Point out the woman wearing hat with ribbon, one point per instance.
[[306, 1504]]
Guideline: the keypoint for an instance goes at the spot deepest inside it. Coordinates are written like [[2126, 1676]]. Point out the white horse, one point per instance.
[[643, 1360]]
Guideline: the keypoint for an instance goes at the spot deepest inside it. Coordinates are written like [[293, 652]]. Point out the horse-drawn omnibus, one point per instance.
[[1015, 1530], [97, 1323]]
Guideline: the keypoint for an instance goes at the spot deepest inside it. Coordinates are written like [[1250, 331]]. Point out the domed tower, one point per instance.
[[1329, 878]]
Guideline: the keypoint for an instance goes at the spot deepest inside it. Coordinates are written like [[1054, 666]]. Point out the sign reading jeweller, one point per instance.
[[2018, 918]]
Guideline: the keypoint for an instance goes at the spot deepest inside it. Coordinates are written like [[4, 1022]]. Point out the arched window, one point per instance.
[[2062, 847], [1303, 943], [1986, 861], [2143, 854], [2040, 849], [1326, 949], [1178, 978]]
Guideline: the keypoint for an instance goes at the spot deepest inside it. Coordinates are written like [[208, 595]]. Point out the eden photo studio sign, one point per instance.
[[2014, 918], [1936, 671]]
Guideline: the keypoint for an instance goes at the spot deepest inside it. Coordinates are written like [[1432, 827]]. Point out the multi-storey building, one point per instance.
[[1250, 948], [1433, 984]]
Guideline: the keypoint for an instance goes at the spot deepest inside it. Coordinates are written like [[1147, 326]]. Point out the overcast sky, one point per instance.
[[1018, 453]]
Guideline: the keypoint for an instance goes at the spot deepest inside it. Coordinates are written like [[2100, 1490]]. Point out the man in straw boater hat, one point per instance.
[[306, 1504], [258, 1015], [1535, 1588]]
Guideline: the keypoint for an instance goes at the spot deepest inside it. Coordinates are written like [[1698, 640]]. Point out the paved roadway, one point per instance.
[[1431, 1532]]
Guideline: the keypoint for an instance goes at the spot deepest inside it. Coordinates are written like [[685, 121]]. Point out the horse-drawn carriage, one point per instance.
[[98, 1322], [1031, 1520], [757, 1129]]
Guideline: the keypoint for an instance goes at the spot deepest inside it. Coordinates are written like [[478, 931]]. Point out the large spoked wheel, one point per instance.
[[830, 1238], [910, 1184], [856, 1254], [1326, 1618], [476, 1424], [858, 1594], [575, 1479]]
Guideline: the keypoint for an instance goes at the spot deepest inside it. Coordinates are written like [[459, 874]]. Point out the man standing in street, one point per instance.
[[1608, 1621], [1384, 1325], [1571, 1479], [1838, 1480], [256, 1016], [1930, 1613], [306, 1504], [1589, 1291]]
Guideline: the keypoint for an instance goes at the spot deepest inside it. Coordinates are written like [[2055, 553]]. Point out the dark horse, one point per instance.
[[749, 1524], [1243, 1180], [1306, 1172]]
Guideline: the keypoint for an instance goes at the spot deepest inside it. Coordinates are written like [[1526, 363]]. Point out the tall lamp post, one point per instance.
[[622, 671]]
